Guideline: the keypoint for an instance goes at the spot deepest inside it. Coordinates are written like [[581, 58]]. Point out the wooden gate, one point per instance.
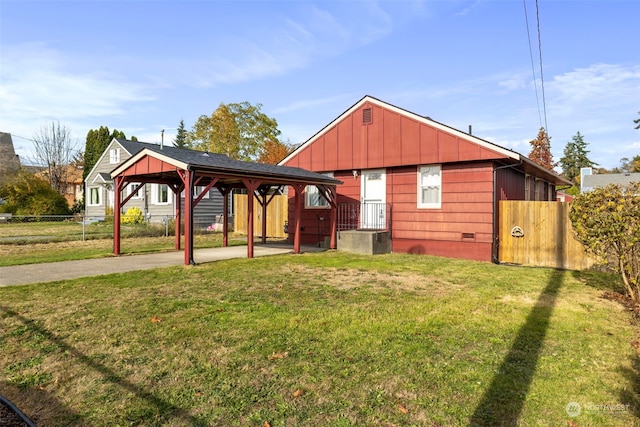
[[539, 234], [277, 213]]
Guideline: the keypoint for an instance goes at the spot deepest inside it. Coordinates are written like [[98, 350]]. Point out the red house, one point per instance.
[[434, 189]]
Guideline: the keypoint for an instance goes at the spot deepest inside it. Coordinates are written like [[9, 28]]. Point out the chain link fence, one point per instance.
[[24, 229]]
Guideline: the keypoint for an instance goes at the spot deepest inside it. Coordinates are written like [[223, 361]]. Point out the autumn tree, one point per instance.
[[54, 150], [237, 130], [575, 158], [628, 165], [27, 194], [607, 222], [180, 141], [273, 151], [541, 150]]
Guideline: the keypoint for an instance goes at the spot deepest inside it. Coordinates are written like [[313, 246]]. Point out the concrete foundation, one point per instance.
[[364, 242]]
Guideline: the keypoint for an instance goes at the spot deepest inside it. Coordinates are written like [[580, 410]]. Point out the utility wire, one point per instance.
[[544, 103], [22, 137], [533, 70]]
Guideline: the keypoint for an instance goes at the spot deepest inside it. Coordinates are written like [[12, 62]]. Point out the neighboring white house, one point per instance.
[[589, 181], [156, 201]]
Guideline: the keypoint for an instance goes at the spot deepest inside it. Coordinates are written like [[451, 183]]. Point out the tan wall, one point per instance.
[[547, 239]]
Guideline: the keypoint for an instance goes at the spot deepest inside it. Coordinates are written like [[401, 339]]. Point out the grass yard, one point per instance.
[[33, 253], [322, 339]]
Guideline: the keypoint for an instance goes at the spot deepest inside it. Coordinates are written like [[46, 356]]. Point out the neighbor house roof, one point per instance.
[[602, 180]]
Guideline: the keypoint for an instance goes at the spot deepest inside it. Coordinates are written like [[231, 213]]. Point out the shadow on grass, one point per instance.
[[165, 410], [502, 403]]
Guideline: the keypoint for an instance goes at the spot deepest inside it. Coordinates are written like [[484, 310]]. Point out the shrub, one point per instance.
[[27, 194], [132, 216], [607, 222]]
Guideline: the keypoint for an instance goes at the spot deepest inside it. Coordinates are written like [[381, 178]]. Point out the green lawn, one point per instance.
[[321, 339]]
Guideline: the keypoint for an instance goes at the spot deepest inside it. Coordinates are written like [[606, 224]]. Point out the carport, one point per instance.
[[183, 170]]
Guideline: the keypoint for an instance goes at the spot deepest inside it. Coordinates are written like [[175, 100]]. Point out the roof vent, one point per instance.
[[367, 117]]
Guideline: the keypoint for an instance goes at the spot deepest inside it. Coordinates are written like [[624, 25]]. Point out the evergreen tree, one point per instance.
[[97, 141], [180, 140], [541, 150], [575, 158]]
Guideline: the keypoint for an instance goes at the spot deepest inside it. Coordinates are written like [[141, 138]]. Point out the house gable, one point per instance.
[[374, 134]]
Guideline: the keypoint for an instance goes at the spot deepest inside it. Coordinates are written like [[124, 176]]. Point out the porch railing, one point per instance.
[[364, 216]]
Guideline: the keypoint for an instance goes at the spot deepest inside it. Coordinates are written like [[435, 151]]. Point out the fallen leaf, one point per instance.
[[635, 344], [156, 319], [402, 408], [278, 355], [298, 393], [266, 424], [572, 423], [587, 330]]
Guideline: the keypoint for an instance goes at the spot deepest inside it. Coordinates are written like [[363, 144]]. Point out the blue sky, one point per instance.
[[142, 66]]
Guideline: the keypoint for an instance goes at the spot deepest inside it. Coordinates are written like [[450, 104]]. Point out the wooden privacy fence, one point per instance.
[[539, 234], [277, 213]]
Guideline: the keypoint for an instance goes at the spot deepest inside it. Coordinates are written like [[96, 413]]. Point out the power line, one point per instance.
[[533, 70], [22, 137], [544, 103]]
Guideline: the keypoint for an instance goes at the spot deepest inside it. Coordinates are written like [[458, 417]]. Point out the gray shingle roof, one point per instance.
[[602, 180], [204, 161]]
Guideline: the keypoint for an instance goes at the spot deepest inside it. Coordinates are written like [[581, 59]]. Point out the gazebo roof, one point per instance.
[[229, 170]]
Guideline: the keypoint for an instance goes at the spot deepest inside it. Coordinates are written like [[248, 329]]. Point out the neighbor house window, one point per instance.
[[430, 187], [197, 190], [94, 196], [132, 189], [160, 194], [313, 198], [114, 155]]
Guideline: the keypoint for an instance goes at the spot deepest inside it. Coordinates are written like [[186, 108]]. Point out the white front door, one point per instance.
[[373, 192]]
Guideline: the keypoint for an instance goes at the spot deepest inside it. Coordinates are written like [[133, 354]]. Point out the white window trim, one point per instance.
[[132, 189], [196, 192], [98, 192], [114, 156], [155, 193], [422, 205], [312, 189]]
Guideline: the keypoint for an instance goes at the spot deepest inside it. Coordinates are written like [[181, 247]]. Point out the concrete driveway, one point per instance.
[[50, 272]]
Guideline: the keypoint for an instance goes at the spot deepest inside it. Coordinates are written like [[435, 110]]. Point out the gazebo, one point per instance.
[[182, 170]]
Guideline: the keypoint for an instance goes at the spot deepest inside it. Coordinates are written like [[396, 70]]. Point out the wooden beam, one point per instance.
[[251, 185], [298, 201], [118, 182]]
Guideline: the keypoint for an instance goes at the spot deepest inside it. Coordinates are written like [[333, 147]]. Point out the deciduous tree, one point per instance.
[[237, 130], [54, 150], [607, 222], [27, 194], [541, 150], [273, 151]]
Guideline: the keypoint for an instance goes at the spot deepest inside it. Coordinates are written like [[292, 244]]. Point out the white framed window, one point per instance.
[[313, 198], [197, 190], [131, 189], [95, 196], [430, 187], [160, 194], [114, 155]]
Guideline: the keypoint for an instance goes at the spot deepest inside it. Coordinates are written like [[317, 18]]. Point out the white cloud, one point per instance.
[[38, 86]]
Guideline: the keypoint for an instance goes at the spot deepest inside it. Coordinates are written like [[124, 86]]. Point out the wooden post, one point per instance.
[[117, 188], [298, 201], [251, 186], [334, 218]]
